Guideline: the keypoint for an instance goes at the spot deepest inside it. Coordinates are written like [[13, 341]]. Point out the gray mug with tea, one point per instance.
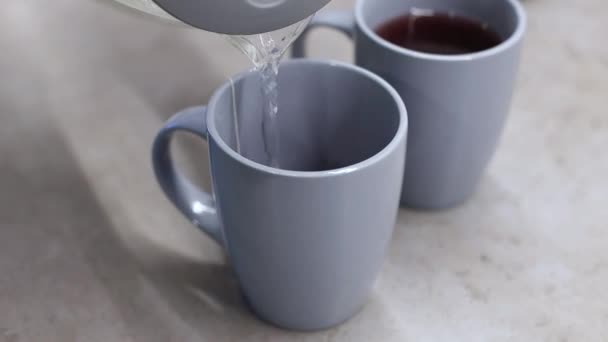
[[457, 103], [306, 242]]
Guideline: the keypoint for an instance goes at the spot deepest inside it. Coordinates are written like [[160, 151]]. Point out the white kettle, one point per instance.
[[232, 17]]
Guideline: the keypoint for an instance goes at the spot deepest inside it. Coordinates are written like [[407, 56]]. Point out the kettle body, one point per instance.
[[232, 17]]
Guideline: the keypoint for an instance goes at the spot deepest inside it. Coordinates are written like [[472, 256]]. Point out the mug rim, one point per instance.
[[513, 39], [388, 149]]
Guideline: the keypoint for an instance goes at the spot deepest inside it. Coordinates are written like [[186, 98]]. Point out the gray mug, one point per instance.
[[457, 104], [307, 243]]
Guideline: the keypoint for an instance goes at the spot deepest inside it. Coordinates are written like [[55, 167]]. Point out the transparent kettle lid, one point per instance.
[[234, 17]]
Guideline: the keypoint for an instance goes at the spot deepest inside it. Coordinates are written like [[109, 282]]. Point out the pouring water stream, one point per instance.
[[265, 52]]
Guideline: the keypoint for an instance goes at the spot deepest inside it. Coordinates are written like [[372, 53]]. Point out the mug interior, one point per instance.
[[331, 115], [500, 15]]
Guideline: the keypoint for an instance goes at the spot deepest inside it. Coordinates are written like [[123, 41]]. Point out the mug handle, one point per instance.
[[195, 204], [341, 20]]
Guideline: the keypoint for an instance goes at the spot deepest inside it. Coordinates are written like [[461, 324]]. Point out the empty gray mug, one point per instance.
[[306, 243], [457, 104]]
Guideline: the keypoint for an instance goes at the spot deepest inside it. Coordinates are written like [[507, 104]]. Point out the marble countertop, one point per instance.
[[90, 250]]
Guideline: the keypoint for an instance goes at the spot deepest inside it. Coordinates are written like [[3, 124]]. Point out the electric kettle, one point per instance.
[[231, 17]]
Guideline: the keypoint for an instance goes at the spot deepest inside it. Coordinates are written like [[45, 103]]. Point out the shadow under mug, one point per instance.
[[457, 104], [306, 246]]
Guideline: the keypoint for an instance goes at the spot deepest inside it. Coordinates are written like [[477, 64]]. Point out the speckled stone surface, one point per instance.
[[90, 250]]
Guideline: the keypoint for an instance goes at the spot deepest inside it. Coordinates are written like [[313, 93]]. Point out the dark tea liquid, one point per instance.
[[439, 33]]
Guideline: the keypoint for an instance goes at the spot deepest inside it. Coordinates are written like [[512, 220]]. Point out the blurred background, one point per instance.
[[90, 250]]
